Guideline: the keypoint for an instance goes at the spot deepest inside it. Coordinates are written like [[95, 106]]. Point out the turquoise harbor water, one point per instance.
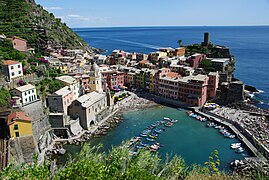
[[188, 138]]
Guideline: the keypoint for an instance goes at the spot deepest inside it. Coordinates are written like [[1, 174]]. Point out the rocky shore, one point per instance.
[[250, 168], [133, 102]]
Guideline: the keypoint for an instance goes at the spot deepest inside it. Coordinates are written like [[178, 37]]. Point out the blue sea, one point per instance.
[[249, 45]]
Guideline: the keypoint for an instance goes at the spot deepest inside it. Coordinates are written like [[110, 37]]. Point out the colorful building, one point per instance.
[[213, 84], [19, 125], [195, 59], [12, 70], [72, 83], [114, 79], [59, 101]]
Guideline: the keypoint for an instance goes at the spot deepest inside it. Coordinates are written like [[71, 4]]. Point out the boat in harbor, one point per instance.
[[140, 147], [158, 130], [174, 120], [154, 134], [143, 144], [150, 139], [153, 137], [210, 124], [235, 145], [239, 150], [169, 124], [143, 135]]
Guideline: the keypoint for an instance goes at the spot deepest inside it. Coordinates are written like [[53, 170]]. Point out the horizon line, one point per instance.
[[171, 26]]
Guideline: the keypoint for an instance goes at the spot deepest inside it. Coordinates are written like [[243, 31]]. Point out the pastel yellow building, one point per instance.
[[19, 124], [63, 68]]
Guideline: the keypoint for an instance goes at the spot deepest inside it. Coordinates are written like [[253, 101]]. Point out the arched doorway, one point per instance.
[[92, 123]]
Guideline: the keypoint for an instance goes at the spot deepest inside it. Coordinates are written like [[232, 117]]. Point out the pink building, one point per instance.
[[114, 79], [193, 89], [59, 101], [168, 85], [19, 43], [195, 59], [84, 81], [213, 84]]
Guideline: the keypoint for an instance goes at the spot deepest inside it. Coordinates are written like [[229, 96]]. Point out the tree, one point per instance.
[[180, 43], [55, 85]]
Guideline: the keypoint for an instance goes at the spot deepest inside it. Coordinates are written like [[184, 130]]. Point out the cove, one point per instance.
[[188, 138]]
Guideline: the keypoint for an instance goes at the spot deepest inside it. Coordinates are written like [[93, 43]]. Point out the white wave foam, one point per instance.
[[138, 43], [260, 91]]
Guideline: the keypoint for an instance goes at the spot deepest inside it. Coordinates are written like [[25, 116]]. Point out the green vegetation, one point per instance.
[[5, 99], [25, 19], [206, 64], [8, 52], [118, 164]]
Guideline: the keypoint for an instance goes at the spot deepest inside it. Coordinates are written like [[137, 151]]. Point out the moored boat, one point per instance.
[[174, 120], [150, 139], [169, 124]]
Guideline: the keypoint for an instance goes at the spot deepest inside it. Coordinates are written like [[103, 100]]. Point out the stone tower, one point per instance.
[[95, 79]]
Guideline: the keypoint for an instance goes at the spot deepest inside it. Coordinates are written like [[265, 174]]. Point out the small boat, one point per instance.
[[210, 125], [180, 109], [174, 120], [154, 146], [144, 135], [169, 124], [158, 131], [150, 139], [166, 119], [235, 145], [232, 136], [145, 145], [154, 134], [239, 150], [153, 137], [140, 147]]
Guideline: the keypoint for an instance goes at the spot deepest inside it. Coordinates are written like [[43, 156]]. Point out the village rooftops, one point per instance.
[[63, 92], [17, 116], [199, 77], [67, 79], [89, 99], [10, 62], [25, 88]]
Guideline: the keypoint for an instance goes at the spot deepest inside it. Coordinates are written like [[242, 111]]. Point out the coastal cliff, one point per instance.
[[41, 29]]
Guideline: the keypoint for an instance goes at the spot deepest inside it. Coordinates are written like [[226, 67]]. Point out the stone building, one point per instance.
[[95, 79], [87, 107]]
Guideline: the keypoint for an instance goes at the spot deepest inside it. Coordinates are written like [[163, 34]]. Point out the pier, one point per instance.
[[238, 133]]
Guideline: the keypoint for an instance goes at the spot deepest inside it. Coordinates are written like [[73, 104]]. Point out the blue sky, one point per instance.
[[108, 13]]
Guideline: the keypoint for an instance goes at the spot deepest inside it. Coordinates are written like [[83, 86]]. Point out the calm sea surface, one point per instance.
[[188, 138], [249, 45]]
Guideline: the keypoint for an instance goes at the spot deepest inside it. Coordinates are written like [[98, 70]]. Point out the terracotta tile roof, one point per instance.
[[172, 75], [10, 62], [17, 116], [143, 62]]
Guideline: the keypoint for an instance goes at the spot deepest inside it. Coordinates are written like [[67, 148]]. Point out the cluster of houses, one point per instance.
[[166, 73]]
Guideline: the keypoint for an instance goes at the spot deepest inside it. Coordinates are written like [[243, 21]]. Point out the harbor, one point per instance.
[[183, 138]]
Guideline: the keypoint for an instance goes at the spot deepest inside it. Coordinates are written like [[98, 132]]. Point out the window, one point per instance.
[[32, 91], [19, 72], [19, 66], [12, 74], [11, 67], [25, 94], [29, 92], [17, 134], [16, 127]]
